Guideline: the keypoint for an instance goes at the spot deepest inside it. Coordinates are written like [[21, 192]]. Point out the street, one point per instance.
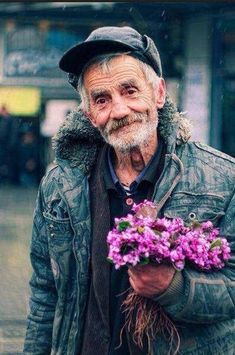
[[16, 211]]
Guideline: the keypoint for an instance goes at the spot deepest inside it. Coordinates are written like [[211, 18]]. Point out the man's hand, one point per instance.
[[150, 280]]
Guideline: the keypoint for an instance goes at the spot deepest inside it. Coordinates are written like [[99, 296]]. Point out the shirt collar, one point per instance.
[[147, 174]]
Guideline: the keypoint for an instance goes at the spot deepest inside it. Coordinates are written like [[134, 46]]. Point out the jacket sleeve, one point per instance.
[[205, 297], [43, 292]]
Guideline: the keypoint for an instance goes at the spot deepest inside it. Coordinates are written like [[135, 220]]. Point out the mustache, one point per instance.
[[113, 125]]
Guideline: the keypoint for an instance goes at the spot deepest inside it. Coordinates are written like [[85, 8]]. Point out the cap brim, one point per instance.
[[74, 60]]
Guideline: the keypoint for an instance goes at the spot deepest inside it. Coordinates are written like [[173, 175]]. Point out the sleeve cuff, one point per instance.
[[174, 291]]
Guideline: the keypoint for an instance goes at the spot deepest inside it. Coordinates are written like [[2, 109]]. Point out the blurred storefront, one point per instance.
[[196, 42], [209, 77], [30, 49], [20, 159]]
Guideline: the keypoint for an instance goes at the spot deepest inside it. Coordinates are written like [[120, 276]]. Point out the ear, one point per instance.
[[160, 94], [90, 118]]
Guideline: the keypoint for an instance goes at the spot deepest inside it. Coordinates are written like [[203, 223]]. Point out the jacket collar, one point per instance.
[[78, 142]]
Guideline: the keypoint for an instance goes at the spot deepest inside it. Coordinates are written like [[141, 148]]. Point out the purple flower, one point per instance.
[[142, 237]]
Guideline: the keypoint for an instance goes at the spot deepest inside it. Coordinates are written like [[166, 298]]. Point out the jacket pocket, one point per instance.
[[60, 242], [59, 229], [191, 206]]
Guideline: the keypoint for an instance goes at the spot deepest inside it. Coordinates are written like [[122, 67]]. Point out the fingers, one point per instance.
[[132, 283], [139, 287], [149, 280], [133, 279], [137, 281], [137, 268], [133, 273]]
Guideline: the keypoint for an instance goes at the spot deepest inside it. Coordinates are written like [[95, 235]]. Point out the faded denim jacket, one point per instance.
[[197, 182]]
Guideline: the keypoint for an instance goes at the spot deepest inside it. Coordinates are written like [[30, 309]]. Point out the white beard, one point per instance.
[[127, 141]]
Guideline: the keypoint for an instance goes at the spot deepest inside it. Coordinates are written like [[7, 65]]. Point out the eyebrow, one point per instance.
[[98, 92], [129, 82], [103, 92]]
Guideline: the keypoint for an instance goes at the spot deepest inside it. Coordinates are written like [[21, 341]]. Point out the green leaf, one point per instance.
[[195, 224], [110, 260], [216, 243], [122, 226], [144, 261]]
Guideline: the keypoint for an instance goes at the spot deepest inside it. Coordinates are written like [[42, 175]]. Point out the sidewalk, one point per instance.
[[16, 211]]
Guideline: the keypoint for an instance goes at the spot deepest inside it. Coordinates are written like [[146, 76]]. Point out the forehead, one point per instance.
[[118, 69]]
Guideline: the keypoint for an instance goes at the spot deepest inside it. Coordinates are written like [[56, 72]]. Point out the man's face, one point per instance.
[[123, 105]]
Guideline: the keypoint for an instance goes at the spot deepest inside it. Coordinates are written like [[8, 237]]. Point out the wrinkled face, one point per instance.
[[123, 105]]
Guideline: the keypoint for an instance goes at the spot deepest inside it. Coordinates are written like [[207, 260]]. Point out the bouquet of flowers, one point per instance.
[[142, 238]]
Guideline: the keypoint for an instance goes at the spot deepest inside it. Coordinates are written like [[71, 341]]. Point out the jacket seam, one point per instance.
[[214, 168]]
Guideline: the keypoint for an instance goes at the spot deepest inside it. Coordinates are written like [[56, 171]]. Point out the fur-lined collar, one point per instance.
[[78, 141]]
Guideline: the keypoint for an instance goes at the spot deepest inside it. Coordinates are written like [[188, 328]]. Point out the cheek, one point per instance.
[[99, 119], [142, 104]]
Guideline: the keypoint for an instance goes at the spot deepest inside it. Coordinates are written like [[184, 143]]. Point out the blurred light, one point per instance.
[[10, 25], [94, 4], [55, 114], [44, 25], [20, 101]]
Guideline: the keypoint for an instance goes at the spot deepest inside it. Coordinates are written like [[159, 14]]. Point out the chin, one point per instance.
[[125, 145], [125, 139]]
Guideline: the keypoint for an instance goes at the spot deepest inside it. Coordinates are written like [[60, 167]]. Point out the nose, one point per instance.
[[119, 108]]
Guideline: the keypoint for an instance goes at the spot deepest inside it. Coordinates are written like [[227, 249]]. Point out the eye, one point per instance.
[[100, 101], [130, 90]]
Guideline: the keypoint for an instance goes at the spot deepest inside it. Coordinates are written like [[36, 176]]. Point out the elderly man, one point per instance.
[[124, 144]]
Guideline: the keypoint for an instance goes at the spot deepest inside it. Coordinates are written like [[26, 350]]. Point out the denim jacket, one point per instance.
[[197, 182]]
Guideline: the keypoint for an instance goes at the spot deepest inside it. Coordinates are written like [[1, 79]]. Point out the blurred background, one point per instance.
[[196, 41]]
